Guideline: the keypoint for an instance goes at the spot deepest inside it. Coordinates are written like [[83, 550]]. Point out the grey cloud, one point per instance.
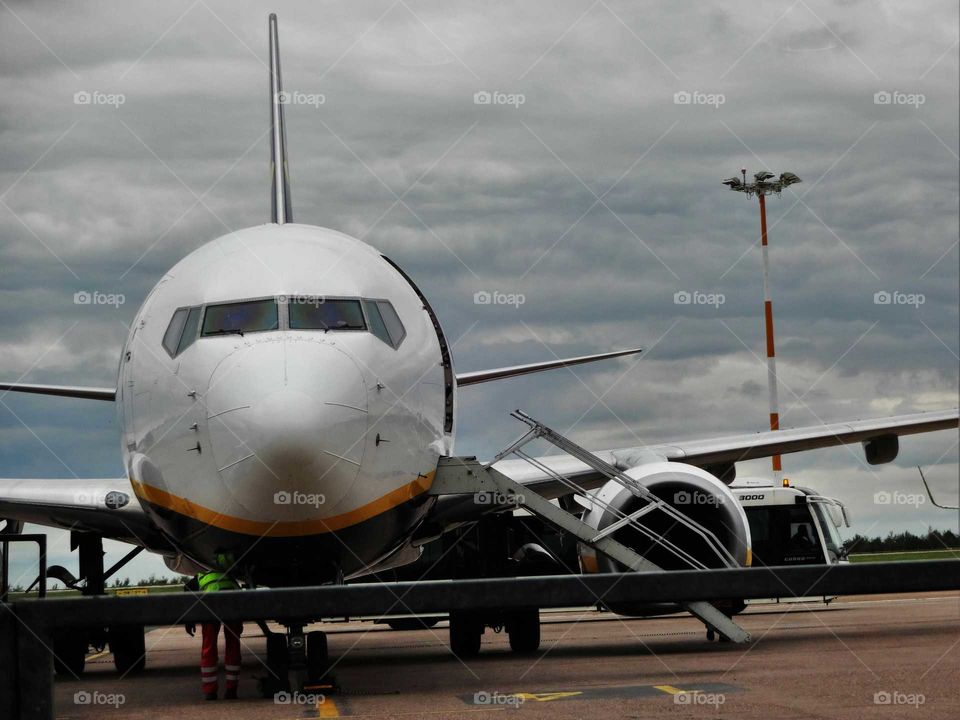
[[799, 94]]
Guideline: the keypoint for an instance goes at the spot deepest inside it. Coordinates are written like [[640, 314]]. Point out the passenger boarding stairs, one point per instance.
[[467, 476]]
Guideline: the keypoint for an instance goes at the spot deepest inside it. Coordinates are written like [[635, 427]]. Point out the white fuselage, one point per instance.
[[289, 455]]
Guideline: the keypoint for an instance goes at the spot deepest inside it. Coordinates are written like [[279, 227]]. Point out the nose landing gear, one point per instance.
[[297, 662]]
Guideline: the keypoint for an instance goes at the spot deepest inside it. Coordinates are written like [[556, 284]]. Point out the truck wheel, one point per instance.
[[128, 645], [69, 652], [523, 628], [465, 632]]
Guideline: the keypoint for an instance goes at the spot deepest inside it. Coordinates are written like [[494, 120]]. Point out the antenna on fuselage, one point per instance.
[[281, 209]]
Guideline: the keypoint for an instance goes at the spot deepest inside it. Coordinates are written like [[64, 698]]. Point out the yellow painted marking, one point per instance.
[[546, 697], [131, 591], [424, 713], [98, 655], [674, 690], [327, 708]]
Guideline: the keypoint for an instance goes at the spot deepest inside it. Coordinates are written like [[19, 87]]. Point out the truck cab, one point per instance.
[[791, 525]]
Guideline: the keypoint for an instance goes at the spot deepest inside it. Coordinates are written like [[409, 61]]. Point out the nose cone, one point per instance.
[[287, 422]]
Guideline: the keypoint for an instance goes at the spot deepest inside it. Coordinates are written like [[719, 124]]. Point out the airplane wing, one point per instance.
[[719, 455], [781, 442], [482, 376], [71, 391], [104, 506], [463, 379]]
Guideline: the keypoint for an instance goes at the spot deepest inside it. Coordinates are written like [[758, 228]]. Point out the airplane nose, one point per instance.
[[287, 422]]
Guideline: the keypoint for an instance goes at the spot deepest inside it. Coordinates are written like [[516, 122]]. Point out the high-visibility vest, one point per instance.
[[213, 581]]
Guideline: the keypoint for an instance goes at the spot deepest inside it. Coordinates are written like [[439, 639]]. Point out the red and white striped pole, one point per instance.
[[765, 183], [768, 323]]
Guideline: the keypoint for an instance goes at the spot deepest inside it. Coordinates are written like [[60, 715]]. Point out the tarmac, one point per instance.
[[895, 656]]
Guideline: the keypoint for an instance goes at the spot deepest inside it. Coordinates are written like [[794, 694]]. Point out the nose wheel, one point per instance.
[[297, 662]]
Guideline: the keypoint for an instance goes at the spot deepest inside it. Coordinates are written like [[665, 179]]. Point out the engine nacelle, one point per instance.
[[183, 565], [694, 492]]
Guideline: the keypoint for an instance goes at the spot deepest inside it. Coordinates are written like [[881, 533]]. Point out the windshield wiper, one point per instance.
[[226, 331]]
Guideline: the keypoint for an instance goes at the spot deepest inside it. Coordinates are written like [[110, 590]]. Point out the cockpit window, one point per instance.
[[295, 312], [377, 326], [190, 329], [241, 317], [392, 320], [384, 322], [171, 338], [322, 314]]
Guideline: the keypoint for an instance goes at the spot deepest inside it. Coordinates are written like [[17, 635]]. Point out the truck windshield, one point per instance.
[[784, 535], [830, 532]]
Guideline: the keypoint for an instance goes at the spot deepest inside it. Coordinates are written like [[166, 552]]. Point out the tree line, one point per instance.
[[904, 542]]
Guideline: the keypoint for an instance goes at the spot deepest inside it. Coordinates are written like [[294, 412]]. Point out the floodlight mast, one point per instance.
[[764, 184]]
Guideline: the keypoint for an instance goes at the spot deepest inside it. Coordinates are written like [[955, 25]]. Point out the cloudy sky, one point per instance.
[[589, 187]]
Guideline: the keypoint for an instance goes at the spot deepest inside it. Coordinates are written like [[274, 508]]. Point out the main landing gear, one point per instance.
[[70, 645], [297, 662], [467, 628]]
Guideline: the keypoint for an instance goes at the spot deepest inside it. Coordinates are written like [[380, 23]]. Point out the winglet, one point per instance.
[[281, 209]]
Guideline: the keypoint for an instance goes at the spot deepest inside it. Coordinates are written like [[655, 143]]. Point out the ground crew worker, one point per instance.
[[209, 661]]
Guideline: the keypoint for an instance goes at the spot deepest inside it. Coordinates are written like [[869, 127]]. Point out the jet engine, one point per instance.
[[692, 491]]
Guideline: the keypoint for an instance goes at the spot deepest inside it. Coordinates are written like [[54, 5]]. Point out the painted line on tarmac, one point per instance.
[[327, 708], [899, 601], [502, 699]]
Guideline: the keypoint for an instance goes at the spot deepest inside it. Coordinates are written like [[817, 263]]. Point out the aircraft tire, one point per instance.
[[129, 648], [466, 630], [318, 656], [523, 628], [69, 652]]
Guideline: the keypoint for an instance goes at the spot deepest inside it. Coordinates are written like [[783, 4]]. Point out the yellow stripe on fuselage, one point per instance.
[[282, 528]]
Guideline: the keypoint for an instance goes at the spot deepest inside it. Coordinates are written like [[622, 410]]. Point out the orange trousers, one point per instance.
[[209, 660]]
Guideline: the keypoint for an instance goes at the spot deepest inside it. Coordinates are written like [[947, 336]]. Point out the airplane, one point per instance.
[[285, 395]]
